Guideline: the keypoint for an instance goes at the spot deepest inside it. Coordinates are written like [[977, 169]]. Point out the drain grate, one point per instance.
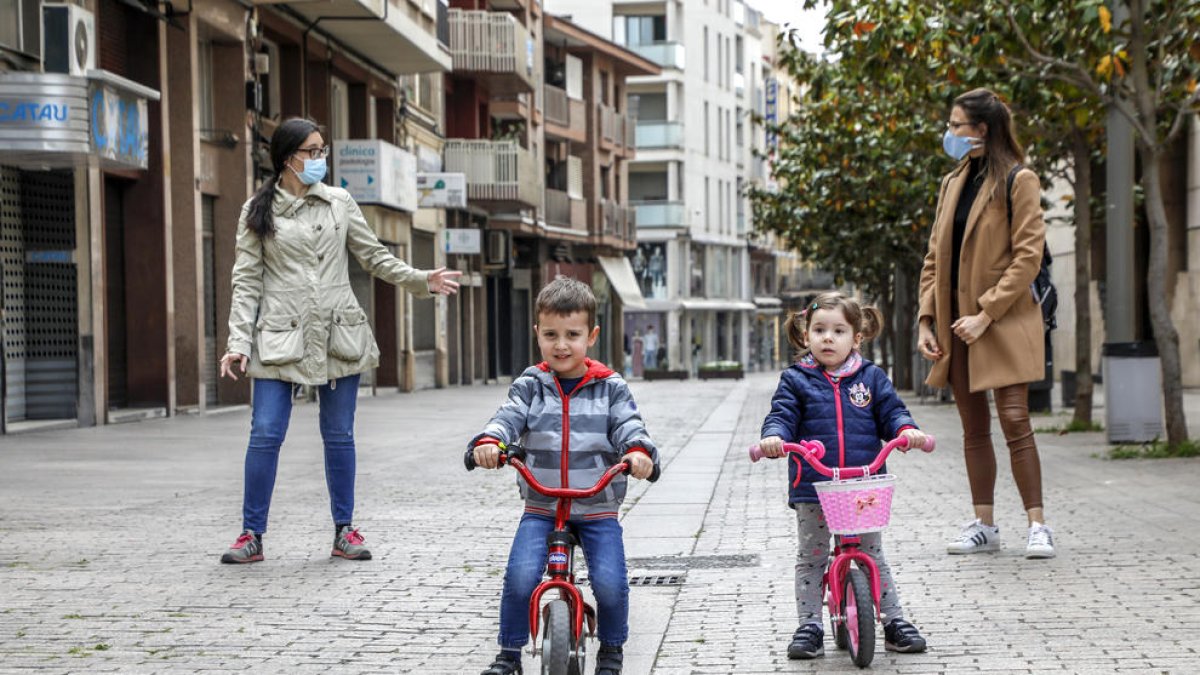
[[657, 580], [695, 562]]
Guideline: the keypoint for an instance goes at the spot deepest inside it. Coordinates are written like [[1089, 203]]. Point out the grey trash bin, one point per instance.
[[1132, 392]]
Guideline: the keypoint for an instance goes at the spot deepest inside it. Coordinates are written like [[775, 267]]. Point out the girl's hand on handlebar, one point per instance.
[[640, 464], [487, 456], [916, 439], [771, 446]]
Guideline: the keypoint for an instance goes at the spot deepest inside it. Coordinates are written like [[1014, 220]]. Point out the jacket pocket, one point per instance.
[[280, 340], [349, 334]]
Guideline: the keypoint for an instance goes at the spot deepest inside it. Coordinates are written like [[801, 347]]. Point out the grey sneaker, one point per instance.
[[349, 545], [247, 548], [976, 538], [1041, 542]]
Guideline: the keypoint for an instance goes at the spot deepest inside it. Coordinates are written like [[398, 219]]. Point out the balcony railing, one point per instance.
[[557, 109], [616, 220], [497, 171], [660, 214], [564, 211], [608, 123], [443, 24], [665, 54], [492, 43], [651, 135]]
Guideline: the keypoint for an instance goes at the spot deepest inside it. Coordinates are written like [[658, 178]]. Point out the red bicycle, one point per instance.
[[563, 648], [855, 502]]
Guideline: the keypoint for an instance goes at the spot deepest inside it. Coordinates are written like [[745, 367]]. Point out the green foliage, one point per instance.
[[1156, 450], [1074, 426]]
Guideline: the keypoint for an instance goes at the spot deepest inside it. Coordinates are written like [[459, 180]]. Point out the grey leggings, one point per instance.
[[810, 566]]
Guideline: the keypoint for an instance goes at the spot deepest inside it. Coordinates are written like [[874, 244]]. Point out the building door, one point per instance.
[[424, 317], [114, 283], [212, 355], [12, 273], [499, 324]]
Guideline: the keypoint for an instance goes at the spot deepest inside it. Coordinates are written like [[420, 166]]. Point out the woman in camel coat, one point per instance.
[[978, 321]]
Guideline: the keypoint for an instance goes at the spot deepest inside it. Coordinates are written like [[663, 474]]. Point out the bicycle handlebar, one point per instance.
[[514, 456], [813, 451]]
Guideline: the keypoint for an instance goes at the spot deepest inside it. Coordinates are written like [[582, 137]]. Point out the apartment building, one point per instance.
[[121, 206]]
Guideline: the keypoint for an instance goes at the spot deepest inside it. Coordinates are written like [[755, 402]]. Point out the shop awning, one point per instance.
[[717, 305], [620, 275]]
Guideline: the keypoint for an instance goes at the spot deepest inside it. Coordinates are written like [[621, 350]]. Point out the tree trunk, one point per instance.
[[887, 330], [1166, 337], [1082, 152], [906, 312]]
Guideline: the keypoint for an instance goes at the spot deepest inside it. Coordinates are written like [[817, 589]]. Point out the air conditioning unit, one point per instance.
[[498, 253], [68, 40]]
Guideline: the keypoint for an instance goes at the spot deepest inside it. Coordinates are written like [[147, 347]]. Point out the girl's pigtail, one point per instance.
[[872, 323], [795, 332]]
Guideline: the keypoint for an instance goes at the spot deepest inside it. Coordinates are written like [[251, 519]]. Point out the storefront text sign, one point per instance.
[[442, 190], [376, 172]]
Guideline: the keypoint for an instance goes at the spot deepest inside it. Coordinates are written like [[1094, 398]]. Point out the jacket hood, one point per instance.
[[595, 371]]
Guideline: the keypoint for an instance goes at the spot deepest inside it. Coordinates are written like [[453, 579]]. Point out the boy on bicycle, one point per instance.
[[575, 418]]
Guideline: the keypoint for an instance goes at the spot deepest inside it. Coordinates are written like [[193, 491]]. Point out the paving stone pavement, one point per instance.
[[109, 539]]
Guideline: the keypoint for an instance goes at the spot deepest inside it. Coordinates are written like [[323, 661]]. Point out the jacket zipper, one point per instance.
[[564, 463], [837, 404]]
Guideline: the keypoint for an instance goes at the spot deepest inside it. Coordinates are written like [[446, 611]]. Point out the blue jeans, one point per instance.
[[605, 553], [268, 426]]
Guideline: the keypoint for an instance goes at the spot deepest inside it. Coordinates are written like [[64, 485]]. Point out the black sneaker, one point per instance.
[[609, 660], [506, 663], [808, 642], [901, 636]]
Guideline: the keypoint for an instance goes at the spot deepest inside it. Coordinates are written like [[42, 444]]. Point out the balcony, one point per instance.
[[739, 84], [660, 214], [614, 127], [617, 220], [493, 46], [498, 172], [566, 117], [665, 54], [565, 211], [659, 135], [388, 32]]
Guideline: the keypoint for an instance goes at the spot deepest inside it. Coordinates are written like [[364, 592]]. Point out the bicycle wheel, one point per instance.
[[556, 639], [859, 609]]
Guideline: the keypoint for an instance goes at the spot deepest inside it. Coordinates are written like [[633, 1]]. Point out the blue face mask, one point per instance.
[[314, 171], [958, 146]]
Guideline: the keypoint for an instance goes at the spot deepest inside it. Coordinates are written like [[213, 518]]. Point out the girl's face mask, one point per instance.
[[959, 146]]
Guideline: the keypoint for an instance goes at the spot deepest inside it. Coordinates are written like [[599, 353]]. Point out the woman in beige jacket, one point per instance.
[[294, 319], [978, 321]]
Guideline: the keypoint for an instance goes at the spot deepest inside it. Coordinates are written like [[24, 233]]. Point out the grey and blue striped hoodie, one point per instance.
[[571, 440]]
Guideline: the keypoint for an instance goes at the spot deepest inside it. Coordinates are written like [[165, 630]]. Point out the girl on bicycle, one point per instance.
[[834, 395]]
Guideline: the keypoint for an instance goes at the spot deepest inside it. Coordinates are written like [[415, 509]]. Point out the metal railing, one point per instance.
[[608, 123], [557, 109], [490, 42], [665, 54], [660, 213], [558, 207], [659, 134], [495, 170]]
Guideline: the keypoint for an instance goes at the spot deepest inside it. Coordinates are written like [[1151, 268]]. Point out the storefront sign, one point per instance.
[[376, 172], [119, 127], [442, 190], [44, 112], [463, 242]]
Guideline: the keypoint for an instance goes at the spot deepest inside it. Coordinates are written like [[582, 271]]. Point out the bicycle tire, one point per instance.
[[557, 646], [859, 609]]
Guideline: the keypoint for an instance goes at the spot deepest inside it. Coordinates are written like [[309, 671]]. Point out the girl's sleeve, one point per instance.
[[891, 415], [784, 418]]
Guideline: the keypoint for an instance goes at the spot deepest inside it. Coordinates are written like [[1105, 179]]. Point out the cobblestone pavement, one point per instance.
[[109, 539]]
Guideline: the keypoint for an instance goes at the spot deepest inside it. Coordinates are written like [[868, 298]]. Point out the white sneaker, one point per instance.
[[976, 538], [1041, 542]]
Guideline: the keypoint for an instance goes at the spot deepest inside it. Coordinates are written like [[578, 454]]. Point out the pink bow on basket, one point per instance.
[[864, 501]]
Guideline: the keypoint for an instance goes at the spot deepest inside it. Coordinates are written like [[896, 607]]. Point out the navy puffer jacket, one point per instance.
[[852, 415]]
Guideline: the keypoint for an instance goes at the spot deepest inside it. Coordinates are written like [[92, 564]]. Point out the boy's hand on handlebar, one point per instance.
[[487, 456], [916, 439], [771, 446], [640, 464]]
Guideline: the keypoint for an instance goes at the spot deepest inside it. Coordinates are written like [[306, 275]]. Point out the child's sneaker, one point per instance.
[[506, 663], [348, 544], [609, 660], [901, 636], [247, 548], [808, 642], [976, 538], [1041, 542]]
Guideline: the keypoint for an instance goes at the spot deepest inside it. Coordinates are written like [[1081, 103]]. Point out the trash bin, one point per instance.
[[1132, 392], [1039, 392]]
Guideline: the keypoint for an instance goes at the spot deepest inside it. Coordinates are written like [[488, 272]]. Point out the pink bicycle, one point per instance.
[[855, 502]]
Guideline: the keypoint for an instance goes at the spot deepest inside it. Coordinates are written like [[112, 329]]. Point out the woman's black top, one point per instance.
[[961, 211]]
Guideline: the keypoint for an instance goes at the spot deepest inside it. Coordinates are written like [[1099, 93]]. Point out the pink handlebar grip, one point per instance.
[[756, 453]]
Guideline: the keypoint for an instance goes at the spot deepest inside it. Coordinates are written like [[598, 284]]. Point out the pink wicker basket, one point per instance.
[[858, 505]]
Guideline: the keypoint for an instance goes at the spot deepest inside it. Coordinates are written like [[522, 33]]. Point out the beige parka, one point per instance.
[[293, 311]]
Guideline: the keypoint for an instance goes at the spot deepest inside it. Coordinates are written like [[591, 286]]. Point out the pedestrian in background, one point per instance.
[[978, 321], [650, 347], [295, 321], [834, 395]]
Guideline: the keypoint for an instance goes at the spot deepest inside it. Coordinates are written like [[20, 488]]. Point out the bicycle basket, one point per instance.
[[858, 505]]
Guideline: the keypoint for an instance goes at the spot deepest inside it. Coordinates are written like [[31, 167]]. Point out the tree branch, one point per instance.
[[1181, 113]]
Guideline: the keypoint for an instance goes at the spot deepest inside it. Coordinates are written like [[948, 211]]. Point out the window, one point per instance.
[[706, 122], [339, 109], [640, 30], [270, 80], [205, 76], [705, 50], [21, 26], [707, 203], [739, 65]]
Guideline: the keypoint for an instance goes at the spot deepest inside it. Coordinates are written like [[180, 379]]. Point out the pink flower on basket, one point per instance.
[[864, 502]]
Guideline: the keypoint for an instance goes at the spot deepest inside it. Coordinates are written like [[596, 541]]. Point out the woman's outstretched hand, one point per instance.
[[971, 328], [227, 362], [927, 343], [442, 281]]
